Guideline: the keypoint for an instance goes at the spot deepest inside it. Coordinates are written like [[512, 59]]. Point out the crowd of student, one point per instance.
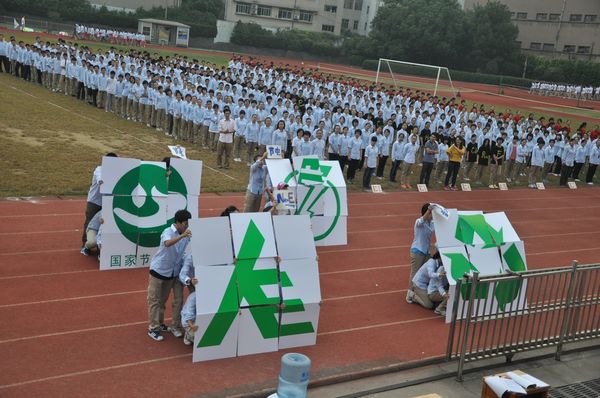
[[248, 105], [82, 32], [565, 90]]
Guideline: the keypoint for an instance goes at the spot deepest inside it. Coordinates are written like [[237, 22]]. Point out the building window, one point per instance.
[[548, 47], [368, 8], [327, 28], [541, 16], [355, 25], [263, 11], [242, 8], [284, 13], [575, 18], [554, 17], [568, 48], [584, 50], [590, 18], [305, 16], [358, 5], [348, 4], [512, 14], [521, 15], [329, 8], [345, 23], [535, 45], [365, 26], [146, 30]]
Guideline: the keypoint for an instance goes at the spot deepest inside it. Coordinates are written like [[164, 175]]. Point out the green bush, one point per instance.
[[252, 34]]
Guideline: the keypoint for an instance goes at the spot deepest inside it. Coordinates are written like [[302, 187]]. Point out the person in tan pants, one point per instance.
[[164, 274], [227, 128]]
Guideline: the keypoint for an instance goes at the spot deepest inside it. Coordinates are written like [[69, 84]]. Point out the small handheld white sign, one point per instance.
[[572, 184], [465, 186], [376, 188], [503, 186], [177, 151], [421, 187], [274, 152], [286, 199], [540, 185], [441, 210]]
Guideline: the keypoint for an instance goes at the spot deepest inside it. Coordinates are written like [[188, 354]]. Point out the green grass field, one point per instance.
[[50, 144]]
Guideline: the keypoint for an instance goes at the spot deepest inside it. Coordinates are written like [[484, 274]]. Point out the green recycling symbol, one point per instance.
[[313, 175], [466, 228], [128, 212]]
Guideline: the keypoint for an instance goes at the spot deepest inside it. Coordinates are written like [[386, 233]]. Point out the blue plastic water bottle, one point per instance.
[[294, 376]]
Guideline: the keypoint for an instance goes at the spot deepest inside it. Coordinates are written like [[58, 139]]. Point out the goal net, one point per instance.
[[416, 76]]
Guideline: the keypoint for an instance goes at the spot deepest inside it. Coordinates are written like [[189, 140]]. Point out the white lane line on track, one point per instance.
[[180, 356]]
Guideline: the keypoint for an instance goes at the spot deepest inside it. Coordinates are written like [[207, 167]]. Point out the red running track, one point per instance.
[[69, 330]]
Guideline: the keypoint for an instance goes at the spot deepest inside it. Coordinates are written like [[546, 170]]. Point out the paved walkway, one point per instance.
[[574, 367]]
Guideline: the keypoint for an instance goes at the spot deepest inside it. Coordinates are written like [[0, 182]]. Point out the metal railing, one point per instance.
[[550, 307]]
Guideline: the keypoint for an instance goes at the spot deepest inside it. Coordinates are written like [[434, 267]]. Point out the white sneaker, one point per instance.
[[187, 342], [590, 183], [440, 312], [176, 332], [491, 187], [409, 296]]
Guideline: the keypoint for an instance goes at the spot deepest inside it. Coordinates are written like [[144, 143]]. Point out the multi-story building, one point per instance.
[[557, 28], [333, 16], [132, 5]]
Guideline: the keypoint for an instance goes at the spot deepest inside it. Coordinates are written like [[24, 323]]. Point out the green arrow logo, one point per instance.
[[459, 265], [151, 179], [469, 225], [507, 291]]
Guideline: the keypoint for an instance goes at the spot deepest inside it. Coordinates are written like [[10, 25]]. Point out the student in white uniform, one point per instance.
[[371, 159], [410, 158], [537, 162]]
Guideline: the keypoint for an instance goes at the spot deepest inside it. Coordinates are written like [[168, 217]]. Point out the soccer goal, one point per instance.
[[420, 76]]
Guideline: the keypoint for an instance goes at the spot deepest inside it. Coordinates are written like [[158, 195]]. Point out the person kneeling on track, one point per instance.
[[188, 317], [429, 285]]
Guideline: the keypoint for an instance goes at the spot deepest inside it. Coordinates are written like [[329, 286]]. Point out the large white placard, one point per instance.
[[253, 227], [294, 237], [213, 246]]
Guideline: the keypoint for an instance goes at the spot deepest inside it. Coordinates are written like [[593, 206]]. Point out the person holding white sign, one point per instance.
[[94, 199], [163, 273], [188, 319], [256, 184], [419, 249]]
